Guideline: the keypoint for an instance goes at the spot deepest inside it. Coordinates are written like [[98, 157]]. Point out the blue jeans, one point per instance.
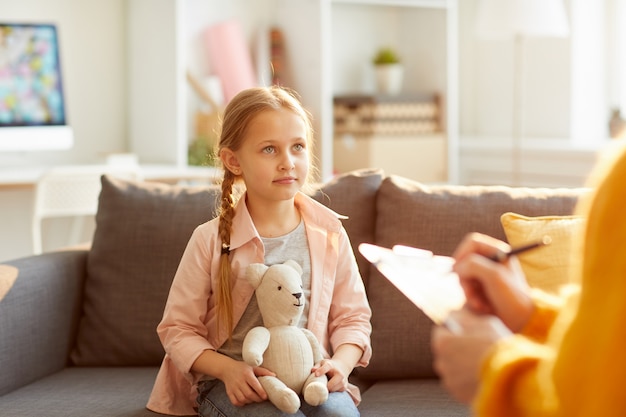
[[213, 402]]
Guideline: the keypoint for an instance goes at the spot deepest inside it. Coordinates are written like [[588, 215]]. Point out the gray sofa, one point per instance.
[[77, 328]]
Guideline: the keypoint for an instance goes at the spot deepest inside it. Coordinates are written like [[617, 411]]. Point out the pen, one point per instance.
[[501, 256]]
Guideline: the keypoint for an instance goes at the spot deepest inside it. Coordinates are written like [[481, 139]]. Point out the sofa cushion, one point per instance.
[[435, 218], [547, 268], [141, 232], [85, 391], [354, 195], [410, 397]]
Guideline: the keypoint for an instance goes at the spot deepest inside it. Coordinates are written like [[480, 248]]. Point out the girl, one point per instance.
[[265, 144]]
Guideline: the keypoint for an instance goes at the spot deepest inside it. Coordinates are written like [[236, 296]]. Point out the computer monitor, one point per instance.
[[33, 114]]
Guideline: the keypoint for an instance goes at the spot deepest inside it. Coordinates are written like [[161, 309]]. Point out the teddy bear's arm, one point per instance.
[[254, 345], [315, 345]]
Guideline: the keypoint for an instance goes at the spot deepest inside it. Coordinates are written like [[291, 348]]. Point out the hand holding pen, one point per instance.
[[493, 283], [501, 256], [493, 280]]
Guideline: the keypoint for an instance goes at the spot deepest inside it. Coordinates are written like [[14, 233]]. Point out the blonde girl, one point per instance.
[[265, 146]]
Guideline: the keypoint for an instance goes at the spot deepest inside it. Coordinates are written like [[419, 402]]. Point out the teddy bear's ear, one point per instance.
[[254, 274], [295, 265]]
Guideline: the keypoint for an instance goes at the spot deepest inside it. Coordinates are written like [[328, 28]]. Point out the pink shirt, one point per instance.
[[188, 326]]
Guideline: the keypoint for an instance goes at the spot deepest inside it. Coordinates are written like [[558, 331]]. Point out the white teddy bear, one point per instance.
[[280, 346]]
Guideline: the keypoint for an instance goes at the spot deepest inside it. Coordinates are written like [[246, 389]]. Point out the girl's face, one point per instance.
[[273, 159]]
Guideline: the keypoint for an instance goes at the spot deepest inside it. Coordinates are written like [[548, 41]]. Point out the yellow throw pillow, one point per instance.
[[549, 267]]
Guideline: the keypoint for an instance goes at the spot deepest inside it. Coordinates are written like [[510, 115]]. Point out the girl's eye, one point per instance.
[[298, 147], [268, 149]]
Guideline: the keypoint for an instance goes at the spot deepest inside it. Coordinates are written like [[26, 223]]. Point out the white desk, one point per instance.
[[27, 176], [17, 186]]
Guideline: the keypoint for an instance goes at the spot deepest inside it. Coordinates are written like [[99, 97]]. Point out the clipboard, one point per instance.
[[425, 279]]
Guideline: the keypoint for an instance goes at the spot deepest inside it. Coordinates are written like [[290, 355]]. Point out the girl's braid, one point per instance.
[[227, 212]]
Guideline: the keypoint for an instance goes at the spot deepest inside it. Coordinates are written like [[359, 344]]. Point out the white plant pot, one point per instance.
[[389, 78]]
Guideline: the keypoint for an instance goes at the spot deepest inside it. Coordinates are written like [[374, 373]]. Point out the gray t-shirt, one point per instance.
[[294, 246]]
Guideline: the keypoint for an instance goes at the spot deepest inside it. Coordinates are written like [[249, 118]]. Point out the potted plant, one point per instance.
[[389, 71]]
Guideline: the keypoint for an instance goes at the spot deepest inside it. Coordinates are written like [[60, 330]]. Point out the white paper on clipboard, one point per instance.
[[425, 279]]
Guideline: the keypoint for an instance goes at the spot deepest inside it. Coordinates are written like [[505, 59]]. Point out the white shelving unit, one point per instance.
[[327, 43], [425, 34]]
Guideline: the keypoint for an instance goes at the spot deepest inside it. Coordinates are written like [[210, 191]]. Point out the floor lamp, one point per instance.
[[518, 20]]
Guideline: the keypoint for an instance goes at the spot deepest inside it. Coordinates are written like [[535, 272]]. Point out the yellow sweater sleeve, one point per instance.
[[547, 307], [579, 369], [510, 385], [516, 376]]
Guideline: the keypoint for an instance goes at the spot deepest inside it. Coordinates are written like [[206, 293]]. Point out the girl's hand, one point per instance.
[[458, 356], [242, 384], [492, 287], [337, 374]]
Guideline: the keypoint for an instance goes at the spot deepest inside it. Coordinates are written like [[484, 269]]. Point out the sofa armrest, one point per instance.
[[39, 316]]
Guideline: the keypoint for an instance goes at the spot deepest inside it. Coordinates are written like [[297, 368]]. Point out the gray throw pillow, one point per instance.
[[141, 232], [435, 217]]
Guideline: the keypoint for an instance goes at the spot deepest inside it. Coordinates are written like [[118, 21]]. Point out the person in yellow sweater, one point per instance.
[[522, 353]]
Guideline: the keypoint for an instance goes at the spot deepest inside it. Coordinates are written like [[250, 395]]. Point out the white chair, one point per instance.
[[72, 191]]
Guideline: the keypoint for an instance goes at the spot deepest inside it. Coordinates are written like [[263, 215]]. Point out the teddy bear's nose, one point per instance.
[[298, 296]]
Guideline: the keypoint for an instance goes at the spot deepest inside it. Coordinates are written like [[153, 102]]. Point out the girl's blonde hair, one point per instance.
[[239, 112]]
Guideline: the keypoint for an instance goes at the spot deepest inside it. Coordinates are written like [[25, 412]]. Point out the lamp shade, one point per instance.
[[497, 19]]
